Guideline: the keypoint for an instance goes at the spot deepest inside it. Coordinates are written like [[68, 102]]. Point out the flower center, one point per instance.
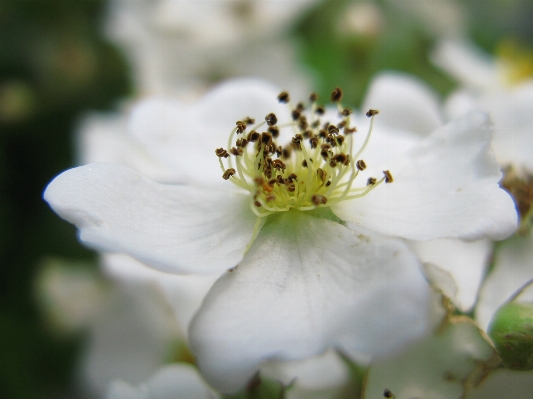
[[317, 168]]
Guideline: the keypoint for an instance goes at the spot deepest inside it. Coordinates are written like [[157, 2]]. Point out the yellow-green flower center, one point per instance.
[[316, 168]]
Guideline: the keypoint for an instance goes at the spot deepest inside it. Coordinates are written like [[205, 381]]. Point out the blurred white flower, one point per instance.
[[503, 383], [494, 86], [298, 282], [187, 45]]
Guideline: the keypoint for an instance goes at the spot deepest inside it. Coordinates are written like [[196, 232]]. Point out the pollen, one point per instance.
[[317, 165]]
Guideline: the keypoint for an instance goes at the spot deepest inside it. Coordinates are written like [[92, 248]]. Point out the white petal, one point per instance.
[[404, 102], [176, 381], [308, 284], [186, 136], [513, 267], [467, 64], [104, 138], [317, 377], [184, 293], [502, 384], [446, 187], [180, 229], [465, 261], [438, 367]]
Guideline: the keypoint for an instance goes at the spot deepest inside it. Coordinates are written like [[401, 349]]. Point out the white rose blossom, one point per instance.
[[307, 254]]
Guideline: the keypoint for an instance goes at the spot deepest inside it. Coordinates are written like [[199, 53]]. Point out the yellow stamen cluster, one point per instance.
[[316, 168]]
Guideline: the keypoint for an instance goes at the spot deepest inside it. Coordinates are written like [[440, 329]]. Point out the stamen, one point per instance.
[[316, 168]]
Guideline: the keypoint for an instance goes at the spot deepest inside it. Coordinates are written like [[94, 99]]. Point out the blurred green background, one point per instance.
[[55, 65]]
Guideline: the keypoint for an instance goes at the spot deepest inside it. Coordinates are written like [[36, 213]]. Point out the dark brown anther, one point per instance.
[[279, 164], [315, 124], [339, 140], [320, 110], [372, 112], [328, 183], [324, 154], [292, 177], [295, 114], [300, 106], [318, 199], [336, 95], [241, 127], [257, 204], [228, 173], [313, 97], [279, 179], [271, 119], [325, 146], [322, 174], [341, 124], [249, 121], [283, 97], [341, 158], [221, 153], [322, 134], [307, 134], [291, 187], [388, 394], [388, 176], [313, 142], [331, 140], [279, 150], [253, 136], [274, 131], [236, 151], [371, 181], [346, 112], [241, 142], [350, 130], [286, 152], [304, 163], [360, 164], [332, 129], [297, 139], [266, 138], [302, 123], [332, 163], [271, 182], [325, 126], [259, 180]]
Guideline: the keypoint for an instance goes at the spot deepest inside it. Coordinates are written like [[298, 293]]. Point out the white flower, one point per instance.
[[485, 87], [300, 280], [504, 383], [186, 45]]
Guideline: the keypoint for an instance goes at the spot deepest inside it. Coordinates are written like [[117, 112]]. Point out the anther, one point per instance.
[[270, 197], [341, 158], [322, 174], [350, 130], [302, 122], [286, 153], [297, 139], [259, 180], [307, 134], [318, 199], [221, 153], [339, 140], [249, 121], [304, 163], [295, 114], [372, 112], [371, 181], [328, 183], [388, 394], [266, 138], [283, 97], [274, 131], [271, 119], [292, 177], [346, 112], [279, 164], [253, 136], [236, 151], [241, 126], [360, 165], [313, 97], [341, 124], [228, 173], [388, 176], [313, 142], [241, 142], [332, 129], [336, 95], [320, 110], [257, 204]]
